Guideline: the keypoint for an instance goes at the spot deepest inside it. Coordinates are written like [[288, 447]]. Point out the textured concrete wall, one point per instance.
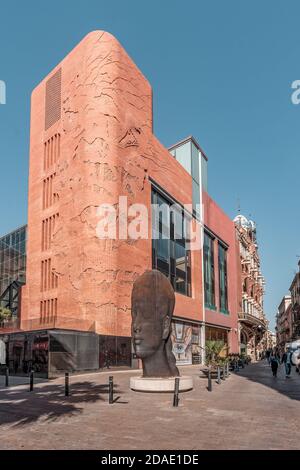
[[107, 149]]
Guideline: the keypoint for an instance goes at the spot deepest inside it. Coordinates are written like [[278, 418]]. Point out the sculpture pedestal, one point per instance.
[[150, 384]]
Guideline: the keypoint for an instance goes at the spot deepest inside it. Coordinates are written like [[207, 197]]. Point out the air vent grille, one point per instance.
[[53, 100]]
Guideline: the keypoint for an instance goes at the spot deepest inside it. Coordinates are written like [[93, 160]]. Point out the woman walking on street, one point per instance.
[[274, 365]]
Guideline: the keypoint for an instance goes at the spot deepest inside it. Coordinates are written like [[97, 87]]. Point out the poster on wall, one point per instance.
[[182, 342]]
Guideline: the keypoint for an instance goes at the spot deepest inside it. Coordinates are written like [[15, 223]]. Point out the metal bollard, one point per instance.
[[111, 389], [224, 373], [176, 392], [67, 384], [219, 375], [209, 384], [7, 377], [227, 369], [31, 381]]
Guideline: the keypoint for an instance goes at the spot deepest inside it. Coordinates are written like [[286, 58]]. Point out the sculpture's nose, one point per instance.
[[136, 328]]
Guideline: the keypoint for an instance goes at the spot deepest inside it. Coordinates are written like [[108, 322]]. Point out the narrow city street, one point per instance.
[[249, 410]]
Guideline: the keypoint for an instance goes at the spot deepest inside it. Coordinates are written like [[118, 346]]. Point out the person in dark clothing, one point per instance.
[[274, 365], [286, 360], [106, 359], [277, 355], [268, 355]]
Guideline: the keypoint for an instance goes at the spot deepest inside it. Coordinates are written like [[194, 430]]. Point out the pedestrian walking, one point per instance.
[[286, 360], [106, 359], [274, 365], [268, 355]]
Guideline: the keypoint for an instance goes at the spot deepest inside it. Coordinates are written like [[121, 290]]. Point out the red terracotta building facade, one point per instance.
[[92, 142]]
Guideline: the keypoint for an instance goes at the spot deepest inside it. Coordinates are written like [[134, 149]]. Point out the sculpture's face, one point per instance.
[[147, 323]]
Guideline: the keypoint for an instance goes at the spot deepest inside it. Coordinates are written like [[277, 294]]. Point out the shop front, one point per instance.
[[26, 352], [213, 333], [186, 342], [50, 353], [115, 351]]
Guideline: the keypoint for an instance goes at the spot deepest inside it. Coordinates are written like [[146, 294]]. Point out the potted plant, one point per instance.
[[5, 315], [213, 355]]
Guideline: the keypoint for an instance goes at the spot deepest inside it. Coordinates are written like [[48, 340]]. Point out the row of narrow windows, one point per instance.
[[51, 151], [49, 278], [49, 197], [48, 310], [48, 227]]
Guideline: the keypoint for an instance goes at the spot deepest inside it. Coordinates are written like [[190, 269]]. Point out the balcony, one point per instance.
[[252, 320]]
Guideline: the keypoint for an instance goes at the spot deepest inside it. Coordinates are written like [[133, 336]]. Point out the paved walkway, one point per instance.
[[250, 410]]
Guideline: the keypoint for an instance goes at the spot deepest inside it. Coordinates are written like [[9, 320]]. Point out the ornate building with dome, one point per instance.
[[253, 325]]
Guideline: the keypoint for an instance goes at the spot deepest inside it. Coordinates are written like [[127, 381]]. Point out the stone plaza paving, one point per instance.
[[250, 410]]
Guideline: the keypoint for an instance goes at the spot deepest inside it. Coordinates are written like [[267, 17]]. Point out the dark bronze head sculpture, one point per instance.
[[152, 306]]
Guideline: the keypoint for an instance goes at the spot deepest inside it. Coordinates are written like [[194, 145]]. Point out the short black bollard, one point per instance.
[[7, 377], [31, 381], [176, 392], [111, 390], [209, 384], [67, 384], [219, 375]]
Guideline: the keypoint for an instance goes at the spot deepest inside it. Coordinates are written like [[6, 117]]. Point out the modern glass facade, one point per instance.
[[223, 294], [209, 272], [13, 258], [170, 235], [51, 352], [189, 155]]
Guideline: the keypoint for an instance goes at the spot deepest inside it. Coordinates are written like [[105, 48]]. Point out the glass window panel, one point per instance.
[[163, 249], [204, 173], [169, 254], [195, 162], [196, 198], [178, 226], [22, 235], [223, 278], [22, 247], [180, 286], [183, 155], [209, 278]]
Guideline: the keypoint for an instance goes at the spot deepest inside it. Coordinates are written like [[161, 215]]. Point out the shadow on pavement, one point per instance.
[[261, 373], [20, 407]]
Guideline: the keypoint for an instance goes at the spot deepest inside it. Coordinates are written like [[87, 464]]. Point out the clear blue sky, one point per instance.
[[221, 71]]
